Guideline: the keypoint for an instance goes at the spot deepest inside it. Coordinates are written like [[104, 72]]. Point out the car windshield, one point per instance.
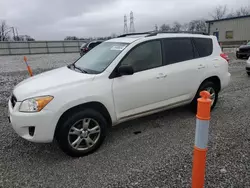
[[100, 57], [248, 43]]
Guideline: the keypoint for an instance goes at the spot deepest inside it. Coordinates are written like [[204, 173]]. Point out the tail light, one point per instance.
[[85, 49], [224, 56]]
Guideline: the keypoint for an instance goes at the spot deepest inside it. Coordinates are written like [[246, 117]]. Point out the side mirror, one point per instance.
[[125, 70]]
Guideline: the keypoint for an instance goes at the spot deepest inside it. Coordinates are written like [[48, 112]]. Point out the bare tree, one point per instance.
[[71, 38], [4, 30], [243, 11], [185, 27], [165, 27], [219, 12], [176, 27], [197, 26]]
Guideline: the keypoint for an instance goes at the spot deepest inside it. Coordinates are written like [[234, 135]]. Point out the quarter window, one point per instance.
[[144, 56], [204, 46]]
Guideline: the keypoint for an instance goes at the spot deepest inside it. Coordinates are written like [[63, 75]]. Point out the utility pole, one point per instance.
[[125, 30], [13, 31], [131, 26], [156, 27], [17, 35]]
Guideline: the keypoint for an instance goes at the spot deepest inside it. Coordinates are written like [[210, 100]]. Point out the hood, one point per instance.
[[244, 47], [43, 83]]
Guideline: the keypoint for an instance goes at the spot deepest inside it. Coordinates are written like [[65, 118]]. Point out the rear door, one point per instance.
[[183, 69]]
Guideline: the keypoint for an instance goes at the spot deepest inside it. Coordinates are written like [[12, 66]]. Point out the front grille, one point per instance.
[[13, 100]]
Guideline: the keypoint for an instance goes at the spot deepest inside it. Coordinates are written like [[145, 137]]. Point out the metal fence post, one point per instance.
[[9, 48], [29, 47], [47, 46]]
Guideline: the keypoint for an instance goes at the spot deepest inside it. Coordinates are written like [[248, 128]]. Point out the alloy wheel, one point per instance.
[[84, 134]]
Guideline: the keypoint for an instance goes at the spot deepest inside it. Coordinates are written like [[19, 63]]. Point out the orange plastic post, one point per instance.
[[30, 71], [201, 139], [199, 166], [204, 106], [27, 65]]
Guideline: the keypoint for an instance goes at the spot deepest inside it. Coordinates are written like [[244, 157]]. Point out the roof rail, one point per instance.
[[190, 32], [129, 34]]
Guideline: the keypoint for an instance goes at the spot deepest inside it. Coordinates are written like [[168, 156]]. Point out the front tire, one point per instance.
[[248, 73], [212, 89], [82, 133]]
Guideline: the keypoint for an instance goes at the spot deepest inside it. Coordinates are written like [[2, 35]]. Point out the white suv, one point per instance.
[[121, 79]]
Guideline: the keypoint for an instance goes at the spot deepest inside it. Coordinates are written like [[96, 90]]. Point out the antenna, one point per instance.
[[125, 30], [131, 26]]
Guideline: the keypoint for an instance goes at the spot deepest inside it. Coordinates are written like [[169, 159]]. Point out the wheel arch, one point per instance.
[[98, 106], [215, 80]]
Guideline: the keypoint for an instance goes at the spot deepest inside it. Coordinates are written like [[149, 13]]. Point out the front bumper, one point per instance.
[[40, 121]]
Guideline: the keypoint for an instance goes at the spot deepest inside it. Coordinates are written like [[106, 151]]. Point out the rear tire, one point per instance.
[[248, 73], [205, 86], [80, 128]]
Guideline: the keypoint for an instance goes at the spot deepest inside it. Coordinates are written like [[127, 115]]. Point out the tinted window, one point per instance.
[[93, 44], [145, 56], [178, 49], [204, 46]]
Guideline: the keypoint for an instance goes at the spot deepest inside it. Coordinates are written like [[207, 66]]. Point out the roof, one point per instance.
[[232, 18]]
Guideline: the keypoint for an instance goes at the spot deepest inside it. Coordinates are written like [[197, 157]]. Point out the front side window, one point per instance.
[[100, 57], [178, 50], [144, 56]]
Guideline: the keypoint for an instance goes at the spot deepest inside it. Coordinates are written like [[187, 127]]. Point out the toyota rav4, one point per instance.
[[121, 79]]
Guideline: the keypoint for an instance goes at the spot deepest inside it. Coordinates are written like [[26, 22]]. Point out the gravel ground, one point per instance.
[[159, 156]]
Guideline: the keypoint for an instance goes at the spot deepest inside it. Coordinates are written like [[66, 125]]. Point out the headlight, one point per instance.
[[35, 104], [237, 49]]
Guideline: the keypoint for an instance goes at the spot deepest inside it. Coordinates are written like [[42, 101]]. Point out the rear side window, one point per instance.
[[178, 49], [204, 46]]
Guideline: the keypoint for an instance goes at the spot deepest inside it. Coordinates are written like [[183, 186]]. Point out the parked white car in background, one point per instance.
[[248, 66], [121, 79]]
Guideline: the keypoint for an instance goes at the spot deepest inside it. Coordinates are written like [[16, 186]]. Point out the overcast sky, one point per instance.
[[55, 19]]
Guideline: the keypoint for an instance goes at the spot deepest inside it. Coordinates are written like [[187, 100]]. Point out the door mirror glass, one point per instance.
[[125, 70]]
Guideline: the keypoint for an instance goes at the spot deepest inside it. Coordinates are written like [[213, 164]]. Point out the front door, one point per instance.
[[142, 91]]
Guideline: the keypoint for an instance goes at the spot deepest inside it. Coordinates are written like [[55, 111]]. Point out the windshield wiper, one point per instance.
[[78, 68]]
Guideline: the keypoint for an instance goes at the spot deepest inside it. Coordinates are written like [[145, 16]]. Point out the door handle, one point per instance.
[[161, 75], [216, 59], [201, 66]]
